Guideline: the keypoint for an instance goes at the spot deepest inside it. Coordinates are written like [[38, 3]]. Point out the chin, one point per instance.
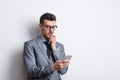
[[49, 36]]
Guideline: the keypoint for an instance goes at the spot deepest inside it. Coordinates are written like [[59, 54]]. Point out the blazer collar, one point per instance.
[[40, 41]]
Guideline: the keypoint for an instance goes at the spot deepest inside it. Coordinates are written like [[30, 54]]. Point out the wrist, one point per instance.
[[54, 49]]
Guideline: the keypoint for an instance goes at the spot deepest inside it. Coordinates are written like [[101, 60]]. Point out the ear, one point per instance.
[[40, 26]]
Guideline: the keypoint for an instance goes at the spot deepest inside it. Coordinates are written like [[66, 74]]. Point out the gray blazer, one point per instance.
[[37, 63]]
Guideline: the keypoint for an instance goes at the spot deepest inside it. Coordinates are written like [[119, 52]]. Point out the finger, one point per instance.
[[50, 39], [64, 64], [53, 35], [66, 61]]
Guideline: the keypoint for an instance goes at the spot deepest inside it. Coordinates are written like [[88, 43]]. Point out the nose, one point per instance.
[[50, 29]]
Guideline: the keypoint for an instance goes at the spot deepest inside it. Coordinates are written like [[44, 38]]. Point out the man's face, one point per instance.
[[48, 28]]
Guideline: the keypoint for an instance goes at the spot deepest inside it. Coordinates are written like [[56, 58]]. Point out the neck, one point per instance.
[[47, 39]]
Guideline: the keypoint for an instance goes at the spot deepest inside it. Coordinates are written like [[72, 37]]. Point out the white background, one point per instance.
[[89, 30]]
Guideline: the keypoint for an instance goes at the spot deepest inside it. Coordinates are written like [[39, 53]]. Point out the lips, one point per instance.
[[50, 34]]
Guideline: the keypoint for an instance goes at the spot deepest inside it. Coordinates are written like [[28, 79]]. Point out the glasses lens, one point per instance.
[[48, 27]]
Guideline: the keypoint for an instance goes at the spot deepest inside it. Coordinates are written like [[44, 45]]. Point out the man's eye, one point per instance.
[[52, 26], [47, 26]]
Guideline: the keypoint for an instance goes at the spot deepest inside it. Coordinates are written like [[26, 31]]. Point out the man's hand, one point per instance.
[[60, 64], [52, 41]]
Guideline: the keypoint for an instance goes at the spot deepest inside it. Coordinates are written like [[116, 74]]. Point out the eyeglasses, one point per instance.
[[50, 27]]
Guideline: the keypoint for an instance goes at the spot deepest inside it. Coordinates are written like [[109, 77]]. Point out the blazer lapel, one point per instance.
[[42, 48]]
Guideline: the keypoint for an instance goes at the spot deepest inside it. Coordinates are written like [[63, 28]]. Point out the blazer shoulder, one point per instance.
[[31, 42], [59, 44]]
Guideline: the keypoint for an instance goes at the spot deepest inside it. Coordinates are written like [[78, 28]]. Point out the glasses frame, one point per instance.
[[50, 27]]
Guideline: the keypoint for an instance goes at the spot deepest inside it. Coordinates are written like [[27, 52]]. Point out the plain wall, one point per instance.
[[89, 30]]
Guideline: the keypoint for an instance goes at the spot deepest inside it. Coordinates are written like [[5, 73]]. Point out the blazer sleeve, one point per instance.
[[30, 63], [61, 55]]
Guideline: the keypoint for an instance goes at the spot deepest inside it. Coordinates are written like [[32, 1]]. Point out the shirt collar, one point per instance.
[[43, 39]]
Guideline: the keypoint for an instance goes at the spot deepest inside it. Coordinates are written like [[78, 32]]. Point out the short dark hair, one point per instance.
[[48, 16]]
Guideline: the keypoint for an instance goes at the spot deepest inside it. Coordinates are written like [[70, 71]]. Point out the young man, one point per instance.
[[43, 56]]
